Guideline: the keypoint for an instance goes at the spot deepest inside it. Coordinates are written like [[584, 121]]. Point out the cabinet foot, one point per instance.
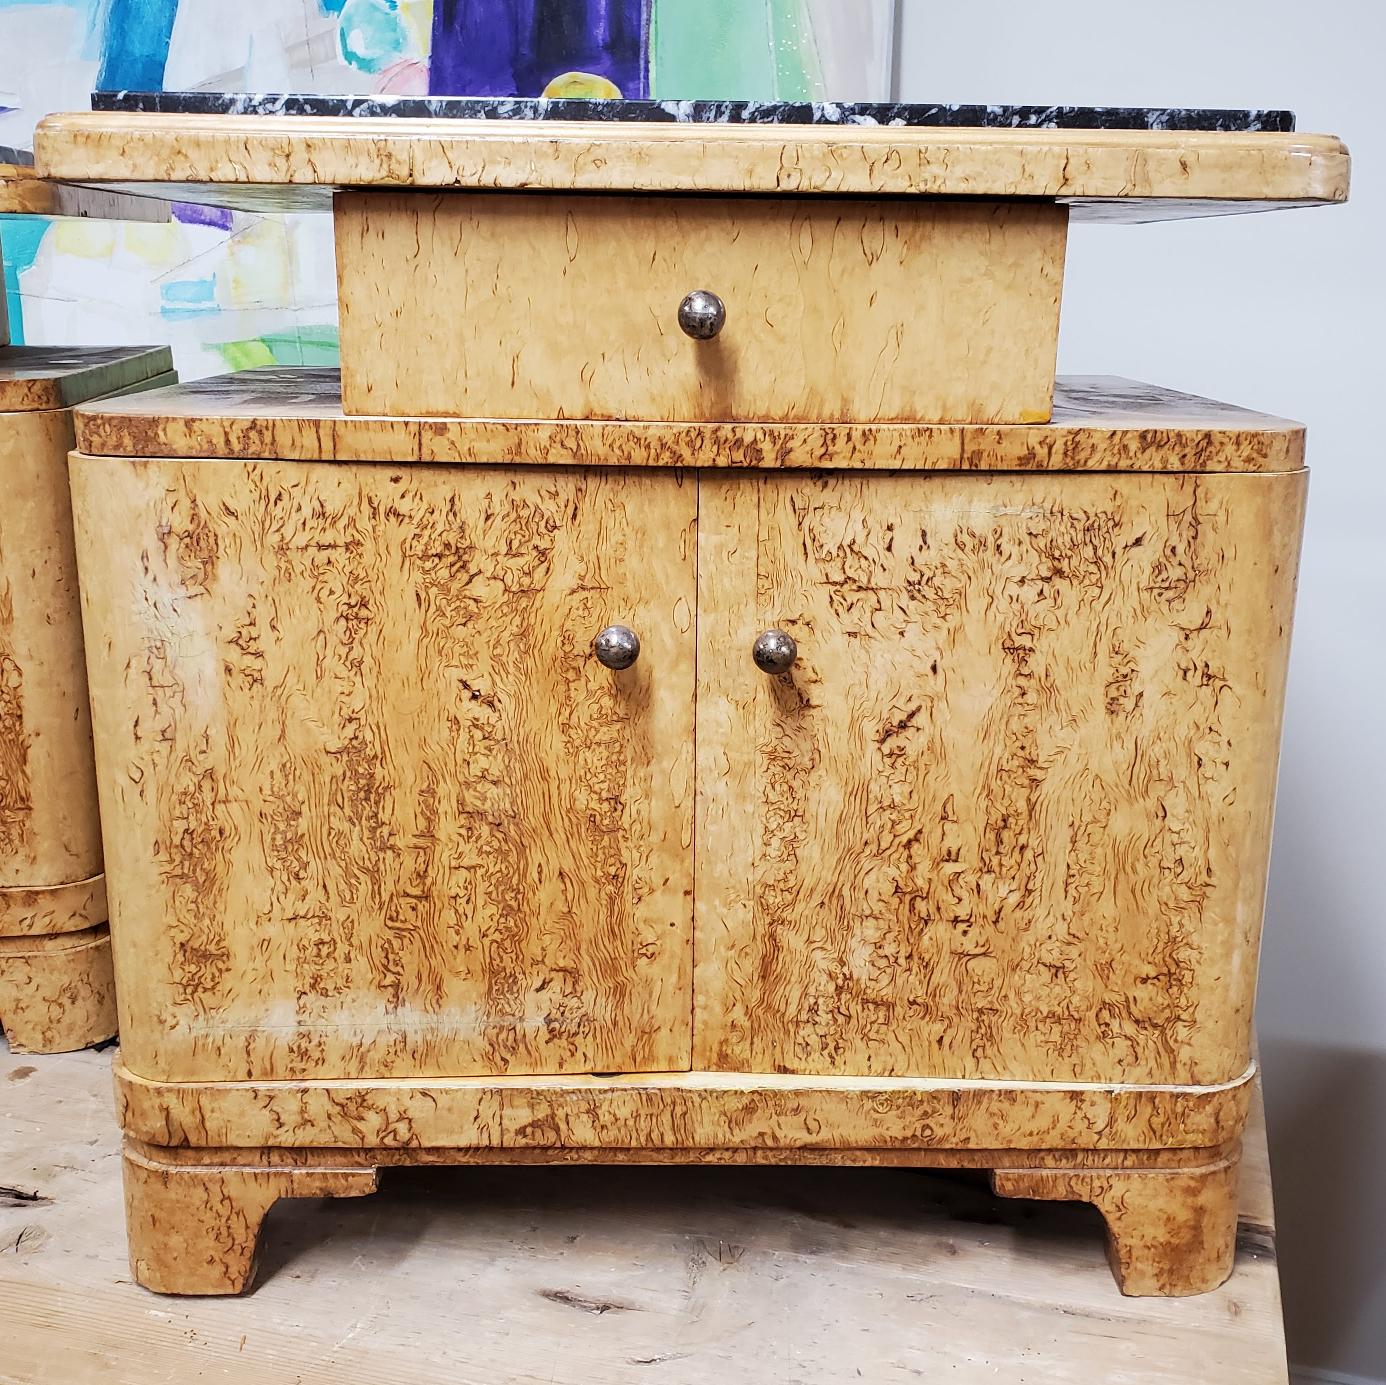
[[195, 1229], [57, 993], [1170, 1232]]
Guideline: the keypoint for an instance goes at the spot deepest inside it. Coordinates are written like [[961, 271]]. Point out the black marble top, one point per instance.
[[716, 112]]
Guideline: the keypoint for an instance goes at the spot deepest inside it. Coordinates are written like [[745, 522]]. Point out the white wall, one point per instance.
[[1284, 312]]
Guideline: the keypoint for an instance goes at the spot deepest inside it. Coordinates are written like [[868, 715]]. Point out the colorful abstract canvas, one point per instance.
[[228, 290]]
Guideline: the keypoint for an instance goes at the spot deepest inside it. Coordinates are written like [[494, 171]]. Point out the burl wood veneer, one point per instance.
[[56, 989], [406, 868], [519, 306]]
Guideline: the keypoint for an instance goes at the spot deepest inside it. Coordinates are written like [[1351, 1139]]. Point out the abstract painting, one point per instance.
[[232, 290]]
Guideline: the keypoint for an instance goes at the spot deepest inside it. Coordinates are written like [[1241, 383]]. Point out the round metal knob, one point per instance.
[[774, 651], [618, 646], [702, 314]]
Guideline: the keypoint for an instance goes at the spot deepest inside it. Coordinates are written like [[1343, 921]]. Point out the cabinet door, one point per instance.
[[372, 807], [1008, 814]]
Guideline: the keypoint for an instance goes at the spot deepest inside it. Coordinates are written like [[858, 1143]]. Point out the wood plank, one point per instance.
[[682, 1110], [24, 193], [1100, 423], [1009, 813], [664, 1275], [241, 160], [56, 377], [373, 806], [513, 306]]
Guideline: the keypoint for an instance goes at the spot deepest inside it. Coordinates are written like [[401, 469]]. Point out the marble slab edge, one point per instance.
[[949, 116]]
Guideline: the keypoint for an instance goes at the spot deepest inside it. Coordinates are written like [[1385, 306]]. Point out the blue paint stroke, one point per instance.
[[489, 48], [22, 237], [371, 34], [184, 298], [134, 44]]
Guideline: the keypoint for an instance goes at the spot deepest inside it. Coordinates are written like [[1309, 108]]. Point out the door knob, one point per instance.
[[618, 646], [774, 651], [702, 314]]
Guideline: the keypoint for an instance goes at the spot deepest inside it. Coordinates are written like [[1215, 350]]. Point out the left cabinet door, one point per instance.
[[372, 807]]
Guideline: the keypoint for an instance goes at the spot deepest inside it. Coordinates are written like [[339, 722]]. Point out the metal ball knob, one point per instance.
[[618, 646], [702, 315], [774, 652]]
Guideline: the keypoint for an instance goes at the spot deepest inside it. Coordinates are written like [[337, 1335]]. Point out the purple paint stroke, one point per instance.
[[194, 214], [516, 47]]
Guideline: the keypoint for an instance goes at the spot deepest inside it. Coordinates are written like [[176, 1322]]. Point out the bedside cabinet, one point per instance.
[[695, 689]]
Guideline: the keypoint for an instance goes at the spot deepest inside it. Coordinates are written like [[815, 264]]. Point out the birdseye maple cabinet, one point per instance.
[[56, 987], [697, 690]]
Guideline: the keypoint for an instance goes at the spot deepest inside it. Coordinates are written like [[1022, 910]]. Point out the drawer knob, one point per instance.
[[774, 651], [618, 646], [702, 314]]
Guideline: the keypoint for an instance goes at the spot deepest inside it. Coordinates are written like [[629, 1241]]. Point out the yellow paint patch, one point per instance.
[[583, 86], [157, 243], [417, 16], [258, 272], [83, 239]]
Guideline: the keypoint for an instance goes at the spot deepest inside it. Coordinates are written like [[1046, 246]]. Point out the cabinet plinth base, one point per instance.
[[57, 993], [194, 1216], [211, 1158]]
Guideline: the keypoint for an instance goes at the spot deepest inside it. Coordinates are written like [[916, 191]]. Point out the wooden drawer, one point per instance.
[[554, 306]]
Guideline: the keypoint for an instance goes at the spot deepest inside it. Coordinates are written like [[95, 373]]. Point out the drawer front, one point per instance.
[[1008, 814], [373, 808], [551, 306]]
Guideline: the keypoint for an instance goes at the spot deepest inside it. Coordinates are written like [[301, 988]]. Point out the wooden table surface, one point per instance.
[[602, 1276]]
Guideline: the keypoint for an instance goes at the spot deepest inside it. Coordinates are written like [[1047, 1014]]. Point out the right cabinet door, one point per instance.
[[1008, 814]]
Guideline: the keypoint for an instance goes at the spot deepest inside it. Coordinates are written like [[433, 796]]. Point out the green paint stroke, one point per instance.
[[728, 50], [711, 50], [297, 346], [798, 72]]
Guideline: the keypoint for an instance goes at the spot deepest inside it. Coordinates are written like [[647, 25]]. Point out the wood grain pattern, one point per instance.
[[1009, 814], [373, 806], [660, 1156], [494, 306], [194, 1227], [682, 1110], [23, 193], [1099, 423], [197, 1231], [57, 993], [50, 909], [280, 162], [1169, 1232], [49, 830], [55, 377]]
